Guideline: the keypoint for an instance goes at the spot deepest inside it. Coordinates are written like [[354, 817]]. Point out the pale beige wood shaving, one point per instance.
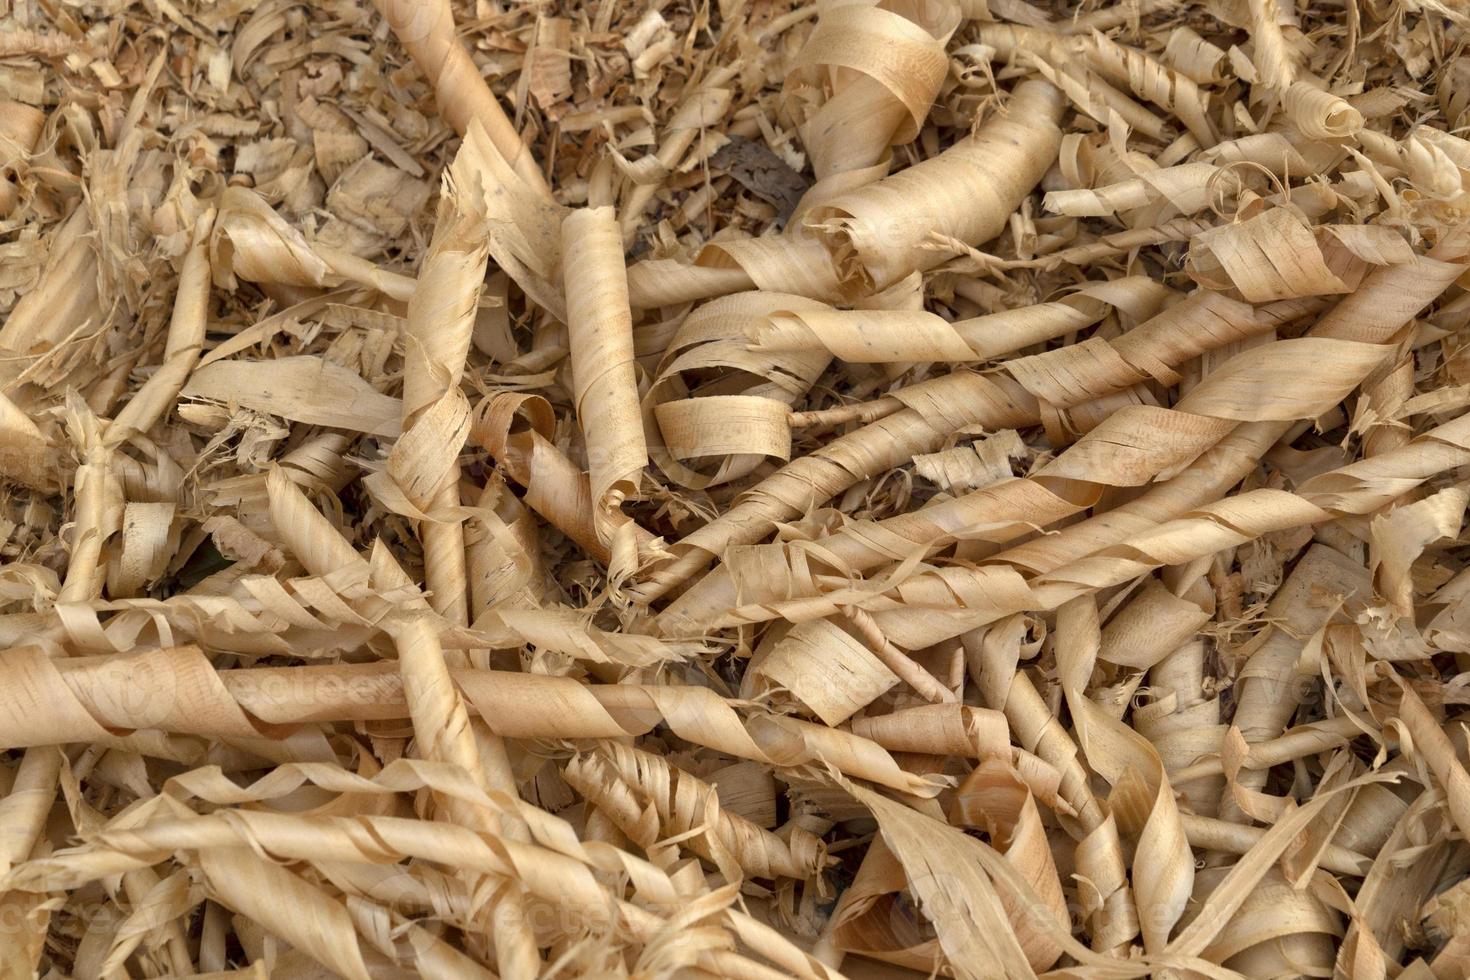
[[962, 488]]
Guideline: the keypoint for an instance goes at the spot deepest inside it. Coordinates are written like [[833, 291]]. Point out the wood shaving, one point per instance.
[[972, 488]]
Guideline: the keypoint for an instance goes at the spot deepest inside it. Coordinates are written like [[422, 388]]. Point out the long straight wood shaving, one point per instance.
[[961, 488]]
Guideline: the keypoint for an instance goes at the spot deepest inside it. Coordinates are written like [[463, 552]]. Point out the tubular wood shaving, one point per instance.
[[967, 488]]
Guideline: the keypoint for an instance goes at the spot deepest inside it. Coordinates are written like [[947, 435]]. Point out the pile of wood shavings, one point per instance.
[[629, 489]]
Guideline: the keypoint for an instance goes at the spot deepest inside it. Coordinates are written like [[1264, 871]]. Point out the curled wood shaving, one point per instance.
[[968, 488]]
